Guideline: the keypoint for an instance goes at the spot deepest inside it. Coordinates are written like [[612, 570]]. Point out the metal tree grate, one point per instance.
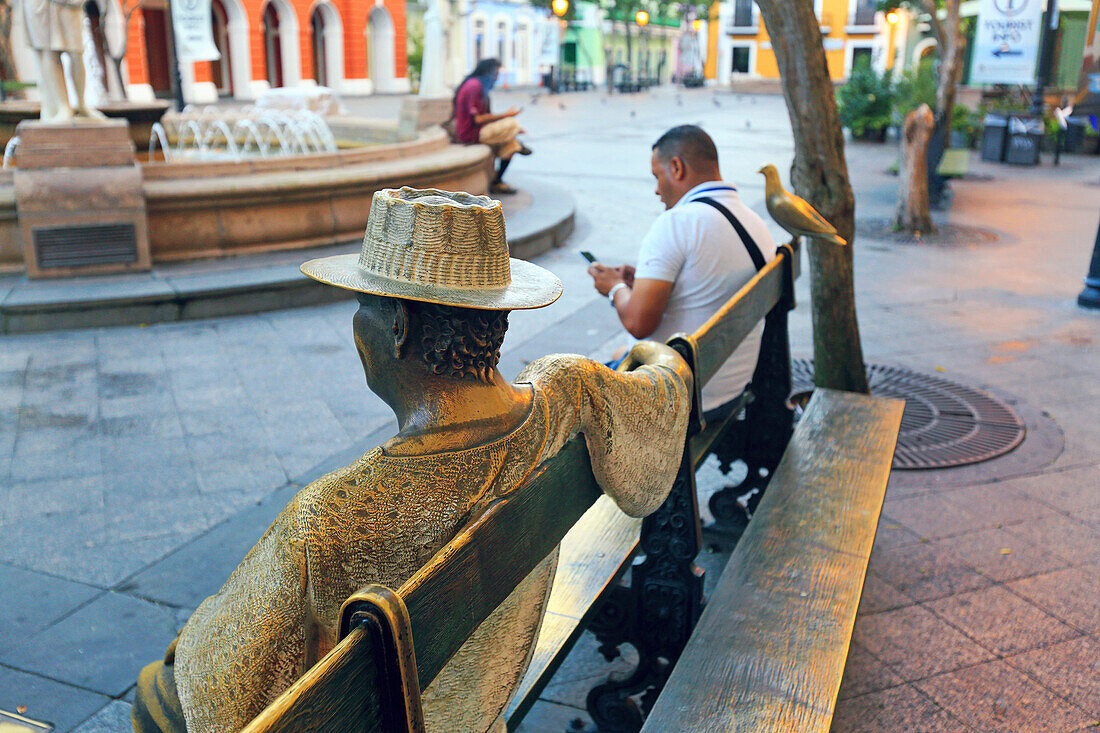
[[944, 424]]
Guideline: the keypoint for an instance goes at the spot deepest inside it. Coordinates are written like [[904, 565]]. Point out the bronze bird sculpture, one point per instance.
[[793, 213]]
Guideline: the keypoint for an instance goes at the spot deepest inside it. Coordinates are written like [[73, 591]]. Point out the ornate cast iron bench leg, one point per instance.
[[656, 612]]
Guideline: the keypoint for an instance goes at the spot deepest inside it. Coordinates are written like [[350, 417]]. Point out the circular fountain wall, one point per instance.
[[219, 183]]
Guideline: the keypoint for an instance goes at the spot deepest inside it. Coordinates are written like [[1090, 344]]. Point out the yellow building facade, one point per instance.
[[852, 32]]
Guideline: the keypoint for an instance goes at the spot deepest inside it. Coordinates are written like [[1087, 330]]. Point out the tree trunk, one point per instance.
[[7, 61], [819, 174], [115, 65], [913, 212], [913, 215], [952, 46]]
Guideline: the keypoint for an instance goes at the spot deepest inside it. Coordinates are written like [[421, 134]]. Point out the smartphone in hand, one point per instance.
[[588, 256]]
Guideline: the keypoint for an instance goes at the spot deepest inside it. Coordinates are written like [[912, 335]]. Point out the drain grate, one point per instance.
[[944, 424]]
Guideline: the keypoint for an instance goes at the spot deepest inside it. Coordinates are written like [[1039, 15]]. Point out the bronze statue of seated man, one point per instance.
[[435, 285]]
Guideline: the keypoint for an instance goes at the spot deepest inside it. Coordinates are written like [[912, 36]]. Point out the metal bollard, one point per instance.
[[1090, 296]]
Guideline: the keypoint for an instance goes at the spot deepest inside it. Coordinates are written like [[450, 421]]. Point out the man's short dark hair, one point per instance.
[[459, 342], [687, 142]]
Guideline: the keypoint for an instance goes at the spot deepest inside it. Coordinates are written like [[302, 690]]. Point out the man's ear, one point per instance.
[[400, 327], [676, 168]]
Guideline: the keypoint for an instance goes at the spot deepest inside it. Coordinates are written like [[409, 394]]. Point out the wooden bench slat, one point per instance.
[[594, 554], [450, 596], [305, 708], [768, 653], [727, 328]]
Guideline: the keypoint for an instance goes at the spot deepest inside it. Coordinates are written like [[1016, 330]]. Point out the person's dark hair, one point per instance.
[[483, 68], [459, 342], [687, 142]]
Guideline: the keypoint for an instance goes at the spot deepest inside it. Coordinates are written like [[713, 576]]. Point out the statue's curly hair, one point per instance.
[[460, 342]]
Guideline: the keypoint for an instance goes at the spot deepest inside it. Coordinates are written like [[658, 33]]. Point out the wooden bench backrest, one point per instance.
[[359, 686], [446, 600]]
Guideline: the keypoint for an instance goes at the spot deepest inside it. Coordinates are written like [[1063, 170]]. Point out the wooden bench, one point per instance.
[[371, 680], [768, 653], [955, 163]]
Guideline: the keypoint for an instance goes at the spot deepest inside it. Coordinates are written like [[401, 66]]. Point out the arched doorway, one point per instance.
[[221, 70], [327, 39], [273, 47], [155, 35], [380, 46]]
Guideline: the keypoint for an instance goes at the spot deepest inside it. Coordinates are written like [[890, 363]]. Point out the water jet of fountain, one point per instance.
[[9, 149]]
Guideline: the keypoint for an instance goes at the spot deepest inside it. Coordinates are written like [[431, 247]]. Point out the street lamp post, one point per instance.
[[559, 8], [173, 58], [1046, 52], [1090, 296]]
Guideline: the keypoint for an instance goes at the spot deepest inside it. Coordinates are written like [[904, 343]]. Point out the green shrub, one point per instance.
[[967, 122], [916, 87], [865, 101]]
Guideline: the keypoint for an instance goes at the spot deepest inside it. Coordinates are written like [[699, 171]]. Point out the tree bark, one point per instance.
[[913, 212], [7, 61], [914, 216], [118, 55], [819, 174]]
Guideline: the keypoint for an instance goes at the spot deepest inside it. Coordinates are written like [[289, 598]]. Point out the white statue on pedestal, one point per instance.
[[432, 66], [443, 65], [56, 27]]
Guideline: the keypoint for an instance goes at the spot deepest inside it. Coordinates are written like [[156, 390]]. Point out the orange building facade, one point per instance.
[[350, 46]]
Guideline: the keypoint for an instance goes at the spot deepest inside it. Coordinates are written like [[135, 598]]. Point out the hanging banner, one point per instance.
[[1006, 42], [193, 31]]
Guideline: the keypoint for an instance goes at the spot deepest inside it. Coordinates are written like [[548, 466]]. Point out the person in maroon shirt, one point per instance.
[[474, 123]]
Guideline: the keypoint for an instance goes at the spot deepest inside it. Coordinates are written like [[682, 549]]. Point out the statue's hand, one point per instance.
[[652, 353]]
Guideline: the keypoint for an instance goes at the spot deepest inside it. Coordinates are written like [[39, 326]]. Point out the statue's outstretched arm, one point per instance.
[[634, 422]]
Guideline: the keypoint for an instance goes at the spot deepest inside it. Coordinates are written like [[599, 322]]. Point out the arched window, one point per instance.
[[317, 43], [273, 48], [221, 69], [502, 35], [521, 53], [380, 49], [479, 39]]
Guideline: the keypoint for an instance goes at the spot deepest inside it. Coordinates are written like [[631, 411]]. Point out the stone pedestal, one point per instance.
[[78, 196], [418, 113]]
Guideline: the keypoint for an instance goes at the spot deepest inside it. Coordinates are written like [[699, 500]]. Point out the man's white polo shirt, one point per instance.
[[694, 247]]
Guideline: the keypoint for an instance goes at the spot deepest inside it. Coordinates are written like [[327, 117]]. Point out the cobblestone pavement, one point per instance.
[[139, 464]]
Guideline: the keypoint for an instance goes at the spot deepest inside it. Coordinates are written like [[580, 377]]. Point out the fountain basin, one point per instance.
[[140, 115], [218, 208]]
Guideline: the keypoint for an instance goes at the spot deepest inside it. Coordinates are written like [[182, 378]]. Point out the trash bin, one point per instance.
[[1025, 136], [994, 132], [1075, 135]]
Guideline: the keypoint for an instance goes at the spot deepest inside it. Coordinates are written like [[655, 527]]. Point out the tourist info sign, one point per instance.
[[1006, 42]]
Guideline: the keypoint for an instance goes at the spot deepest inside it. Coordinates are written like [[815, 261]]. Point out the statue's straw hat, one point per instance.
[[438, 247]]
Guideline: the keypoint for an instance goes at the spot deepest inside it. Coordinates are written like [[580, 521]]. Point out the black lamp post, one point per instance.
[[1046, 54], [1090, 296], [173, 58]]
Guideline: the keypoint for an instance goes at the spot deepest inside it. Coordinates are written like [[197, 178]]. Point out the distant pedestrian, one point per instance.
[[474, 123]]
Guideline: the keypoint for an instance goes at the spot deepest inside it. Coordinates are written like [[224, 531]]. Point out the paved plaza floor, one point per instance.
[[139, 464]]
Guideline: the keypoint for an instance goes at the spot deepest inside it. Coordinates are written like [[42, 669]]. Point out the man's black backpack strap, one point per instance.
[[750, 245]]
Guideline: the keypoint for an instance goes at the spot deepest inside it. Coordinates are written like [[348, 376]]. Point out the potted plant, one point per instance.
[[865, 103]]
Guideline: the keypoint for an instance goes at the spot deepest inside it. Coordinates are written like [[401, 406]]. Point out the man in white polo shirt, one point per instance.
[[695, 257]]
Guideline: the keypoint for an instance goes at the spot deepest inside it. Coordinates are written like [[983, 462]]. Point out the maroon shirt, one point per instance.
[[471, 100]]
